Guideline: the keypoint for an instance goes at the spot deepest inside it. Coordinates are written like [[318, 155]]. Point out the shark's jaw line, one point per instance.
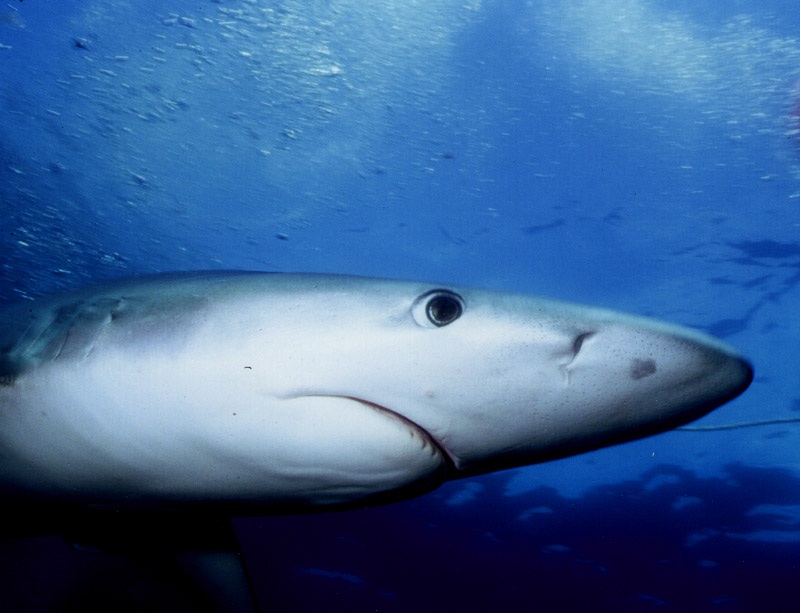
[[452, 462]]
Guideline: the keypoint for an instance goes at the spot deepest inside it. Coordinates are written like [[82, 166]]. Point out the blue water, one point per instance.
[[639, 155]]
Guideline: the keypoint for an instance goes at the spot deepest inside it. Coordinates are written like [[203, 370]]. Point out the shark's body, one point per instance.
[[271, 391]]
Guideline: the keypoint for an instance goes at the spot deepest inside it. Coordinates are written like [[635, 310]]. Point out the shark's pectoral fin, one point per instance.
[[195, 561]]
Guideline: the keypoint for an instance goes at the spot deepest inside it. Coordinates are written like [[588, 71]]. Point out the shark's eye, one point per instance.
[[443, 309], [438, 308]]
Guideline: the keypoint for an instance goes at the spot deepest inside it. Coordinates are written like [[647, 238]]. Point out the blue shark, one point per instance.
[[267, 392]]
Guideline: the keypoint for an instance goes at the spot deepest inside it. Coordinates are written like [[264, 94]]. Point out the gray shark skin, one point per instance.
[[267, 392]]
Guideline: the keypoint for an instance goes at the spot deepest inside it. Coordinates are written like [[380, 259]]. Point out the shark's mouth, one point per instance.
[[429, 440]]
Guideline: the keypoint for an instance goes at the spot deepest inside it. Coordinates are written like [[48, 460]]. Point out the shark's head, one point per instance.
[[499, 380], [310, 390]]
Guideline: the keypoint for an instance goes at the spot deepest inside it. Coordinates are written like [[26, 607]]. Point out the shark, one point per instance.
[[217, 394], [261, 391]]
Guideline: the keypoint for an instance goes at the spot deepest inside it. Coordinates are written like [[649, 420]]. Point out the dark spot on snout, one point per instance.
[[642, 368]]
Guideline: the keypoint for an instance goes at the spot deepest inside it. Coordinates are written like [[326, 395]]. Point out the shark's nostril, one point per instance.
[[578, 343]]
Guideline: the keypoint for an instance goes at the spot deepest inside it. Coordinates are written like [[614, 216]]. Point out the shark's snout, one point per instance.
[[665, 375]]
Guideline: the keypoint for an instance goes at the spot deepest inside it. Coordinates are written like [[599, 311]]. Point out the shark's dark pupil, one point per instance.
[[443, 309]]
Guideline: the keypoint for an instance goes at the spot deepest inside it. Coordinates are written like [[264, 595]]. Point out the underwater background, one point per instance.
[[640, 155]]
